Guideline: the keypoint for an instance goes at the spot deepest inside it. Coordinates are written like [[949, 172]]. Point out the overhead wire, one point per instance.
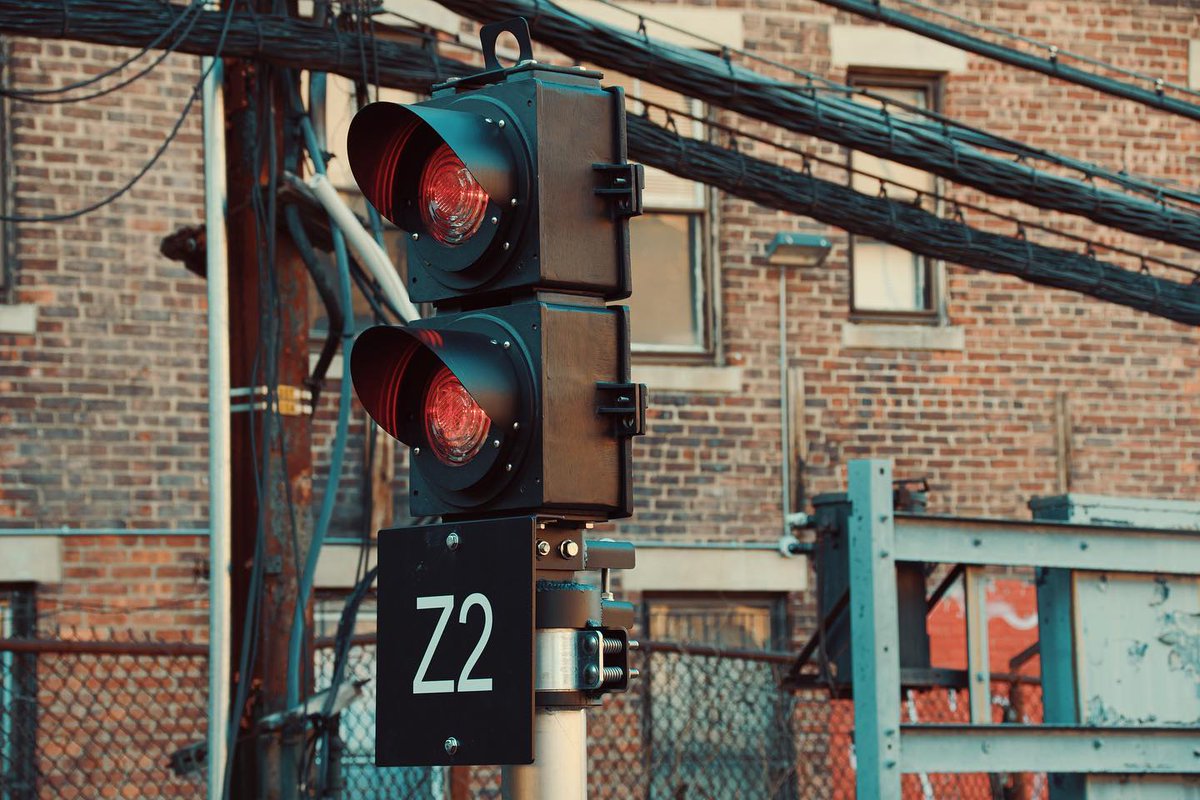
[[902, 224], [893, 136], [174, 132], [814, 82], [955, 203], [1051, 48], [107, 90], [1050, 65], [25, 94]]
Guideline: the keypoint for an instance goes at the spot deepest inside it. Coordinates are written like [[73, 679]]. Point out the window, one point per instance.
[[718, 708], [18, 697], [887, 281], [749, 622], [669, 309]]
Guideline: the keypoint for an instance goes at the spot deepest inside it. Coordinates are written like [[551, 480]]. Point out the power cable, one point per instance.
[[814, 82], [912, 228], [956, 204], [1154, 97], [153, 159], [1052, 50], [26, 94], [876, 131], [116, 86]]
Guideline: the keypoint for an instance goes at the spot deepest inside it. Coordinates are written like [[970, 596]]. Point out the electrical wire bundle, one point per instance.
[[926, 145], [31, 95]]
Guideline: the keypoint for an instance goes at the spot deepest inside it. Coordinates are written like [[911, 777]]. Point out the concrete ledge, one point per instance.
[[695, 569], [18, 318], [338, 565], [36, 559], [659, 378], [891, 48], [870, 336]]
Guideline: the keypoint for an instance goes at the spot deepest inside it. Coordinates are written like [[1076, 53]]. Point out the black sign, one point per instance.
[[455, 658]]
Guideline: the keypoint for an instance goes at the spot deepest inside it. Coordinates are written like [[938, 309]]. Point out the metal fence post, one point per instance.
[[874, 630]]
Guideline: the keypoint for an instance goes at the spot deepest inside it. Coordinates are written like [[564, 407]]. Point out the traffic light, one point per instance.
[[513, 180], [515, 191]]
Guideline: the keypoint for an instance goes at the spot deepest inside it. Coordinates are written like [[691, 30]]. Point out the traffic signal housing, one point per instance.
[[515, 191], [496, 182], [520, 407]]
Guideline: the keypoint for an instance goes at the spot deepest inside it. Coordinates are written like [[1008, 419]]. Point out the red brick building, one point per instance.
[[994, 390]]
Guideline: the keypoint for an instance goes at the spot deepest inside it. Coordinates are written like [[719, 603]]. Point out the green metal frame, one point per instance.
[[878, 538]]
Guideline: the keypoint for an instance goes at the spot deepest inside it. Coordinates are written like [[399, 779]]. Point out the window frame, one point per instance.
[[702, 293], [704, 271], [775, 603], [933, 84]]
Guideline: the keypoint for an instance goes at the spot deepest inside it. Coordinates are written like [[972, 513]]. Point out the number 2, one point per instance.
[[465, 682]]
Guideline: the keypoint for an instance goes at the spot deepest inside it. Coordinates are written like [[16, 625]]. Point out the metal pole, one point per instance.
[[784, 410], [559, 769], [220, 519], [874, 630]]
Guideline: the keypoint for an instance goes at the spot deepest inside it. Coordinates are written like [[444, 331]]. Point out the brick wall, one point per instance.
[[102, 410]]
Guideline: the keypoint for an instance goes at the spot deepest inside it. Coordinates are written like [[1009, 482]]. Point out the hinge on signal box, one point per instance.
[[625, 403], [621, 185]]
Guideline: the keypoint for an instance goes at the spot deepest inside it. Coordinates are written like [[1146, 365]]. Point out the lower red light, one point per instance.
[[454, 423], [452, 202]]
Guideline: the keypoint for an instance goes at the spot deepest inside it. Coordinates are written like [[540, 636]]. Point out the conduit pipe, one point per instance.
[[220, 513], [369, 252]]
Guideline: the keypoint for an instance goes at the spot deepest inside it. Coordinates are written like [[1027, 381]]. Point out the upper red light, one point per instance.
[[454, 423], [452, 202]]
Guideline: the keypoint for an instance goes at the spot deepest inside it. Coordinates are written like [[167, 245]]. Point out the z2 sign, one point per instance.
[[455, 654]]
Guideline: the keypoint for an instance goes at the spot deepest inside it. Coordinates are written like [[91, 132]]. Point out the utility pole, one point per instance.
[[270, 427]]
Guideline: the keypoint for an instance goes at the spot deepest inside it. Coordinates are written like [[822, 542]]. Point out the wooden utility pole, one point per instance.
[[268, 334]]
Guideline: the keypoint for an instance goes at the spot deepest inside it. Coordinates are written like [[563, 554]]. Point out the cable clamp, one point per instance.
[[290, 401]]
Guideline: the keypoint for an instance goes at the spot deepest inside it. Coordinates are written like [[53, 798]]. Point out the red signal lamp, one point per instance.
[[455, 425], [512, 408], [507, 183]]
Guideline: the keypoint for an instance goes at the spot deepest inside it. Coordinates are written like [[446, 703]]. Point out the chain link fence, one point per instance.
[[100, 719], [123, 719], [360, 778], [706, 725]]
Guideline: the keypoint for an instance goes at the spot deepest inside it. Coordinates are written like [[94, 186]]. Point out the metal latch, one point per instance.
[[626, 404], [621, 185]]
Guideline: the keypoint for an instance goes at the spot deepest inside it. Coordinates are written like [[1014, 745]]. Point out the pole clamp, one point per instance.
[[593, 661]]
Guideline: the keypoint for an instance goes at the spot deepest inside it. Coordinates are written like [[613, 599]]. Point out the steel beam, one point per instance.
[[874, 630], [1046, 544], [1048, 748], [979, 680]]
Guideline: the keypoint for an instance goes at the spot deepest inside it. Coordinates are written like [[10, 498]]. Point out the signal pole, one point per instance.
[[516, 403]]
